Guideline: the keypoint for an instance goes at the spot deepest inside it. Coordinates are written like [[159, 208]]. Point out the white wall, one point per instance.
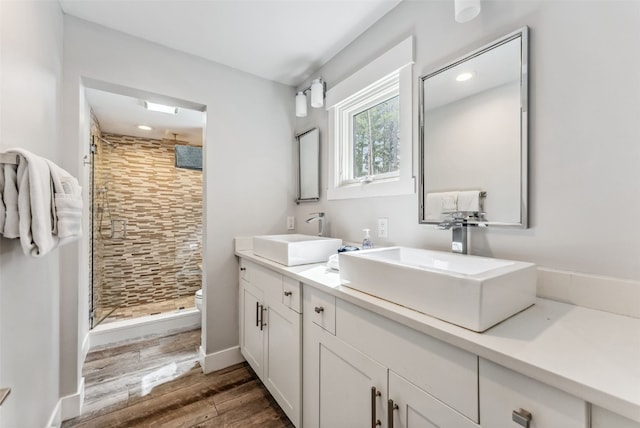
[[30, 113], [584, 134], [248, 184]]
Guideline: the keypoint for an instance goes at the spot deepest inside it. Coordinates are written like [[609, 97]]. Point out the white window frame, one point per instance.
[[387, 76]]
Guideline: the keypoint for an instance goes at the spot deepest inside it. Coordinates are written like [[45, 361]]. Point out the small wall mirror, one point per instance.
[[473, 135], [308, 166]]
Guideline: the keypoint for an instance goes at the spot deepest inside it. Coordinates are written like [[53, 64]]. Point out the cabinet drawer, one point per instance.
[[603, 418], [291, 294], [444, 371], [269, 281], [324, 309], [245, 270], [503, 391]]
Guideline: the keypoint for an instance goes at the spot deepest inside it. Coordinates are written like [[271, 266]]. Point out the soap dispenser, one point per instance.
[[366, 241]]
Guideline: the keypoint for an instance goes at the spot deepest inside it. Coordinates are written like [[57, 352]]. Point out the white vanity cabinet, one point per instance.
[[270, 333], [507, 396], [357, 376]]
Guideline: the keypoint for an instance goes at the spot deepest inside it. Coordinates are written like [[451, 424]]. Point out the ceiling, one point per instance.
[[120, 114], [280, 40]]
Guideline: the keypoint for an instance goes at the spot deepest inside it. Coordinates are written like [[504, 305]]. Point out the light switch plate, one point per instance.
[[291, 222]]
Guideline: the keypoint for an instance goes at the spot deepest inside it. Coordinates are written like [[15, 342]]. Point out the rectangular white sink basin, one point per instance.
[[470, 291], [295, 249]]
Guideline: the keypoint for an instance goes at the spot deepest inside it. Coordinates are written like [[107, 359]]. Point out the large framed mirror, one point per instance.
[[473, 136], [308, 166]]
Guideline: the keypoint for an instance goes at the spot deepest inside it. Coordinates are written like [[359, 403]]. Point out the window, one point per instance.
[[370, 129], [375, 148]]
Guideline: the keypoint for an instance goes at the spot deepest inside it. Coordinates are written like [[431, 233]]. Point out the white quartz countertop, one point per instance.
[[591, 354]]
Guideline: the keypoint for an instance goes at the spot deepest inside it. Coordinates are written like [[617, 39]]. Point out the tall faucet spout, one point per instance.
[[319, 217]]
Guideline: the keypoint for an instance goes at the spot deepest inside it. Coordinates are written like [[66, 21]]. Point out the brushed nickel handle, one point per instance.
[[288, 293], [521, 417], [257, 310], [262, 323], [318, 309], [374, 394], [390, 408]]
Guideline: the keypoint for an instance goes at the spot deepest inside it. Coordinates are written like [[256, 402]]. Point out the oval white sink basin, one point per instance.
[[295, 249], [469, 291]]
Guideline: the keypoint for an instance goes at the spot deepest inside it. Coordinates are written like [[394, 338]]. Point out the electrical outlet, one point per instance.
[[291, 222], [383, 228]]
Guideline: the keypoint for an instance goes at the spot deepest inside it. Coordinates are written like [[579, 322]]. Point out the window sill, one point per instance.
[[381, 188]]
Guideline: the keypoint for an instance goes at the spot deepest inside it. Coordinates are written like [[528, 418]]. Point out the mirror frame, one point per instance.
[[299, 138], [521, 33]]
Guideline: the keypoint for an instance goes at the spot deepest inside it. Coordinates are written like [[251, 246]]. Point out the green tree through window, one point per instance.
[[376, 136]]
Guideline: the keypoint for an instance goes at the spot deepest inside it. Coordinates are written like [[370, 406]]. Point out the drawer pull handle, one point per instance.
[[521, 417], [390, 408], [318, 309], [262, 323], [257, 311], [374, 394], [288, 293]]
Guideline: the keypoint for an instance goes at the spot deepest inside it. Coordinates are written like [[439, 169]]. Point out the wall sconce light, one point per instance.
[[466, 10], [317, 90]]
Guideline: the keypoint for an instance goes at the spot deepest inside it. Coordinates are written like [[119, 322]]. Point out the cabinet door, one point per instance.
[[503, 391], [416, 408], [252, 335], [352, 386], [282, 371]]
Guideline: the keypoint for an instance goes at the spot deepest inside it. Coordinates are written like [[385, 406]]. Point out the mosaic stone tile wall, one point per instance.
[[148, 223], [97, 267]]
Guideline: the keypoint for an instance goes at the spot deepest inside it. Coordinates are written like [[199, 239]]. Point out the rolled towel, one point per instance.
[[67, 204], [438, 203], [469, 200], [68, 217]]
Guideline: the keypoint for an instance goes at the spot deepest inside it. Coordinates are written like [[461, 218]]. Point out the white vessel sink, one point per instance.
[[469, 291], [295, 249]]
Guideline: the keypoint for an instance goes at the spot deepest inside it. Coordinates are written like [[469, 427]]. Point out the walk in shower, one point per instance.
[[146, 235]]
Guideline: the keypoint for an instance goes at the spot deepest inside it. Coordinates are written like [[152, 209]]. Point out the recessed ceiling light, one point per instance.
[[145, 127], [160, 107], [463, 77]]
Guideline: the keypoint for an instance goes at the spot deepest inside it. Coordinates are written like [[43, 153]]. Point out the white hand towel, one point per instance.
[[34, 204], [67, 204], [10, 195], [469, 200], [438, 203]]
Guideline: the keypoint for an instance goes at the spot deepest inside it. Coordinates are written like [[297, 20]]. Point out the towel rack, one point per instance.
[[9, 158]]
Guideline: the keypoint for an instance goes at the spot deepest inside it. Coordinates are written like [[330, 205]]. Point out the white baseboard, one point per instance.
[[71, 405], [85, 348], [118, 331], [55, 420], [220, 360]]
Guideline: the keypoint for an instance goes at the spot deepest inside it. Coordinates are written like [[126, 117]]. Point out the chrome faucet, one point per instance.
[[319, 217], [458, 224]]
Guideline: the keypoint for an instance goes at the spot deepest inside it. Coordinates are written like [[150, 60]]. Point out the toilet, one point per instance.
[[198, 299]]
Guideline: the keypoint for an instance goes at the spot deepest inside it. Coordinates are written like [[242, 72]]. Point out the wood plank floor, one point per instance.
[[157, 382]]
